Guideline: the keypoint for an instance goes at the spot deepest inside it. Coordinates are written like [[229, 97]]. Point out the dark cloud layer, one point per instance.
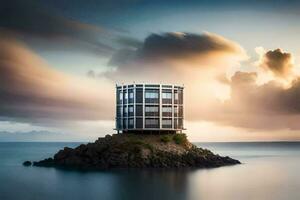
[[278, 62], [33, 23], [176, 46], [181, 45]]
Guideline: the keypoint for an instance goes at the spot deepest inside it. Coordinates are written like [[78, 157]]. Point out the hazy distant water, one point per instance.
[[270, 171]]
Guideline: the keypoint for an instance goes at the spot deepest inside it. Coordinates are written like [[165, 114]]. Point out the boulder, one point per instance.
[[27, 163]]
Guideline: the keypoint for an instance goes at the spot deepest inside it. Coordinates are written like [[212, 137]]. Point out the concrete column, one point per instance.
[[116, 113], [173, 106], [160, 106], [122, 113], [183, 107], [143, 106], [127, 119], [134, 102]]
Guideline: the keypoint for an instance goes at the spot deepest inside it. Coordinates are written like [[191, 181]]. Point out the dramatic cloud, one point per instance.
[[31, 91], [183, 45], [42, 27], [252, 106], [175, 56], [178, 46], [249, 104], [278, 62]]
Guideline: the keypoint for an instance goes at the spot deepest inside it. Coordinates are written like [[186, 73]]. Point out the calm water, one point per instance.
[[269, 171]]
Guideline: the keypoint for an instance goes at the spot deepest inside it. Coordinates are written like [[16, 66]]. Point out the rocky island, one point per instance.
[[136, 151]]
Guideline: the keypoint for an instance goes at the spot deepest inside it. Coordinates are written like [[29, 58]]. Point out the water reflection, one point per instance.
[[268, 172], [152, 184]]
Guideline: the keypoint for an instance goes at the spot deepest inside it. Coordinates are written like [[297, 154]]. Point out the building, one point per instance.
[[149, 108]]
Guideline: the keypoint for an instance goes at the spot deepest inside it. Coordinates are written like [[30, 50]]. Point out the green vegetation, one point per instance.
[[135, 145], [180, 139], [165, 138]]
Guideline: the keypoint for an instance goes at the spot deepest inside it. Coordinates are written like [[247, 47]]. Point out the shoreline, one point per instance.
[[132, 151]]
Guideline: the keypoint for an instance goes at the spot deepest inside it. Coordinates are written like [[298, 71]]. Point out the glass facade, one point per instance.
[[149, 107], [151, 123], [151, 96]]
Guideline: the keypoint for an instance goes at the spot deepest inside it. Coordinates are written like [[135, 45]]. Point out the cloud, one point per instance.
[[130, 42], [278, 62], [175, 55], [122, 57], [177, 46], [31, 91], [91, 74], [251, 106], [202, 63], [44, 28], [267, 106]]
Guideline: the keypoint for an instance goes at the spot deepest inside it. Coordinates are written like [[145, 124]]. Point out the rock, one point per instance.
[[27, 163], [48, 162], [136, 151]]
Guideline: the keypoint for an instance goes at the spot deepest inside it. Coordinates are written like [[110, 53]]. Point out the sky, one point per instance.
[[238, 60]]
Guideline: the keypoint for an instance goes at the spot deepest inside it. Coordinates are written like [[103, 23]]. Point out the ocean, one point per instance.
[[270, 170]]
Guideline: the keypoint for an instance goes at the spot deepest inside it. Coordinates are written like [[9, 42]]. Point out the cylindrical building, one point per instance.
[[149, 108]]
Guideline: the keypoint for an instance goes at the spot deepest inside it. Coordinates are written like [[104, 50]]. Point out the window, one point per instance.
[[151, 95], [167, 95], [176, 96], [180, 111], [176, 111], [151, 122], [151, 109], [167, 109], [119, 111], [130, 108], [130, 122], [119, 124], [130, 111], [125, 96], [124, 123], [167, 123], [175, 123], [139, 123], [119, 97], [131, 95], [130, 100], [180, 123], [151, 85], [139, 95], [139, 110], [180, 96]]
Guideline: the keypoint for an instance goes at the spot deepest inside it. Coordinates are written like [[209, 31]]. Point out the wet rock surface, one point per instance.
[[136, 151]]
